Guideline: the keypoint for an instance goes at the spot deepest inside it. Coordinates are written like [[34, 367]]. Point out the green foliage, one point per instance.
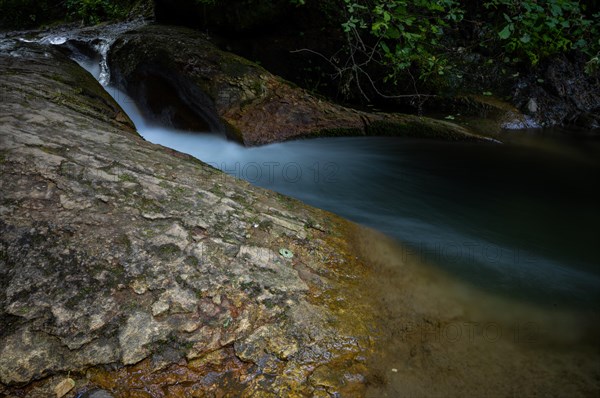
[[95, 11], [411, 32], [411, 36], [418, 38], [23, 14], [403, 37], [537, 29], [28, 13]]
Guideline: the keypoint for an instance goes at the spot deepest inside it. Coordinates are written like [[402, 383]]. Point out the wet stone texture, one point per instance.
[[138, 271]]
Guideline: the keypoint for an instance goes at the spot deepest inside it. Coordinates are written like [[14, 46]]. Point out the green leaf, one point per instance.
[[506, 32], [385, 47], [555, 9], [378, 26], [392, 33]]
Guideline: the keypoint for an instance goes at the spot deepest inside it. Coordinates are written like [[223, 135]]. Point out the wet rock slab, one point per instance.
[[120, 258]]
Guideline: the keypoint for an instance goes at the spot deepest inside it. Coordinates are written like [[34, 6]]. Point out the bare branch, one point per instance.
[[356, 46]]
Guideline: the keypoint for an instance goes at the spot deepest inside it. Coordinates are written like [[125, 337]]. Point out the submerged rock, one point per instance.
[[121, 261], [155, 64], [485, 114]]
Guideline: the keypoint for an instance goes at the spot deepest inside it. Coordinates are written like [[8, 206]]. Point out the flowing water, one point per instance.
[[515, 219], [492, 279]]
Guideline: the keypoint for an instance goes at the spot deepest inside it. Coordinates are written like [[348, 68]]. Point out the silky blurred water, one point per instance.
[[516, 219]]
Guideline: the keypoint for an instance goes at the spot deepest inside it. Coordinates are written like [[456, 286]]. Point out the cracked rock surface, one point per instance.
[[116, 252]]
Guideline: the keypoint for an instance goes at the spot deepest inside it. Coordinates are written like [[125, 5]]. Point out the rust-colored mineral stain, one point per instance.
[[205, 378], [222, 374], [350, 301]]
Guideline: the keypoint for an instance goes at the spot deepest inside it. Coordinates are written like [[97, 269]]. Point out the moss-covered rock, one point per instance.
[[485, 114], [233, 94]]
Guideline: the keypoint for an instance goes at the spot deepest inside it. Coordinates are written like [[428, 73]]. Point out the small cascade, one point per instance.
[[54, 40], [102, 48], [82, 42]]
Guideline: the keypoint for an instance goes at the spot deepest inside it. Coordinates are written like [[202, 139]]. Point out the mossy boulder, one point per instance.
[[487, 115], [235, 95]]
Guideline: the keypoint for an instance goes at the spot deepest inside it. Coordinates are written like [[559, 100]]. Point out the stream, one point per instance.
[[488, 259], [518, 219], [497, 255]]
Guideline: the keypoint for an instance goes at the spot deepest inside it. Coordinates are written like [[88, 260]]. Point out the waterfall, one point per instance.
[[102, 48], [97, 39]]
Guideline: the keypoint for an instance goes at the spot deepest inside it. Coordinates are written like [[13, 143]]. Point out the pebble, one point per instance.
[[98, 394], [64, 387]]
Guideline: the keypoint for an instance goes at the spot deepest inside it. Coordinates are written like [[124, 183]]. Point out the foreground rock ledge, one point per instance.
[[235, 95], [116, 252]]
